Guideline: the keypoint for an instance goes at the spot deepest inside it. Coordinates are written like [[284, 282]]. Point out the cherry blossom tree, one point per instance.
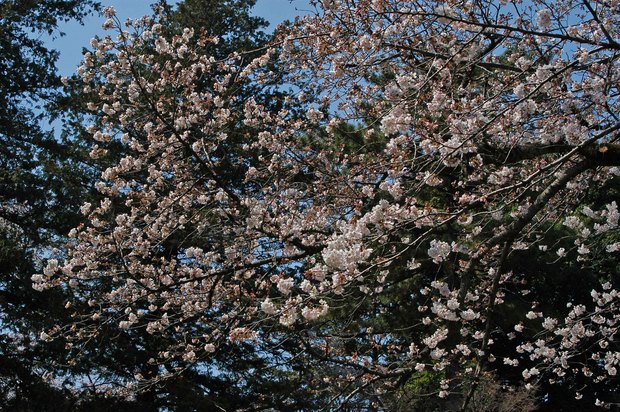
[[112, 358], [379, 235]]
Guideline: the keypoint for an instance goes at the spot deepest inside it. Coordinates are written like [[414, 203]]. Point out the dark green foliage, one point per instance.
[[230, 19], [36, 193]]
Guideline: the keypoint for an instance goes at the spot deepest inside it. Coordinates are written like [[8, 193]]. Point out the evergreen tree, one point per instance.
[[36, 185]]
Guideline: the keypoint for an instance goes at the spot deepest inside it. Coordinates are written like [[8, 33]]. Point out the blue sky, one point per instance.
[[77, 36]]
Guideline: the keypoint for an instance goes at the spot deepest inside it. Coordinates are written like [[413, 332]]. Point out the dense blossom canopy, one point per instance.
[[381, 228]]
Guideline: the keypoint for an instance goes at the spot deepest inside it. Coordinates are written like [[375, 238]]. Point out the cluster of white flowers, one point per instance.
[[543, 19], [439, 250]]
